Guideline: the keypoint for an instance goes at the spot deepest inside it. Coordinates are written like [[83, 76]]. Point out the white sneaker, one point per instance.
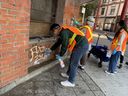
[[107, 72], [67, 84], [112, 74], [64, 75], [115, 72], [81, 67]]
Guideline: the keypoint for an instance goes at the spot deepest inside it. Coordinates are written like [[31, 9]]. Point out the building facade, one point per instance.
[[110, 12], [22, 19]]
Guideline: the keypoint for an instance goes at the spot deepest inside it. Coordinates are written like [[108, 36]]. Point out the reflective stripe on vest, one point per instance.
[[125, 41], [72, 41], [74, 30], [116, 40], [90, 32]]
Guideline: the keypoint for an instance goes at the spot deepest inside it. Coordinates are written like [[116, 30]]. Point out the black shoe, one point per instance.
[[126, 63], [99, 65], [120, 66]]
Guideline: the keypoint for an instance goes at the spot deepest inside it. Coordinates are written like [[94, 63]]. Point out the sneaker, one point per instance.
[[107, 72], [126, 63], [110, 72], [81, 67], [64, 75], [115, 72], [67, 84], [120, 66]]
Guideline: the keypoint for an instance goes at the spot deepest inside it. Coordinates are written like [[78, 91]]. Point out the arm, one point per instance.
[[109, 38], [65, 41], [57, 44]]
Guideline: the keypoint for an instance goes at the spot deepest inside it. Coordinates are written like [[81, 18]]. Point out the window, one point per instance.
[[102, 11], [104, 1], [113, 0], [113, 8]]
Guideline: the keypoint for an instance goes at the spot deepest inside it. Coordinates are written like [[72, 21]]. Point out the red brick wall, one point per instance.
[[72, 8], [14, 35]]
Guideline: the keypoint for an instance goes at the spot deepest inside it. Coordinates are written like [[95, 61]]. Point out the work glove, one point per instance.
[[114, 52], [47, 52], [58, 57]]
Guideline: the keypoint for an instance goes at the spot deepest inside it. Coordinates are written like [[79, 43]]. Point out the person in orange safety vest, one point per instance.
[[88, 30], [117, 47], [72, 39]]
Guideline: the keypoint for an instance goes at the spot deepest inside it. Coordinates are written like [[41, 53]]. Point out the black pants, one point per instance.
[[121, 58]]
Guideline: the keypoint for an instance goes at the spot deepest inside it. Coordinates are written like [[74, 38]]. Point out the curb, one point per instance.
[[28, 76]]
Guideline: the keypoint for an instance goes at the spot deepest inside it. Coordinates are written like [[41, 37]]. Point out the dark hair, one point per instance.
[[54, 26], [123, 26]]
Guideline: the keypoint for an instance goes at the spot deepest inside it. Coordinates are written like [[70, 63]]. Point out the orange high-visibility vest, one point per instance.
[[72, 41], [125, 41], [88, 33], [115, 41]]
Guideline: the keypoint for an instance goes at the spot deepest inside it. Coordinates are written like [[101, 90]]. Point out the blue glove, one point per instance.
[[47, 52], [58, 57], [114, 52]]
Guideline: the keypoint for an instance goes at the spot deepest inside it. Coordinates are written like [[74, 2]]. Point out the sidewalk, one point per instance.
[[116, 85], [91, 82], [48, 84]]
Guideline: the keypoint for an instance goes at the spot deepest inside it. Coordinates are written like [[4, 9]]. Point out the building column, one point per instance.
[[106, 14], [97, 13], [14, 40], [124, 11]]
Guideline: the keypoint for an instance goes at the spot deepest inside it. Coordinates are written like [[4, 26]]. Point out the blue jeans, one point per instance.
[[113, 62], [74, 62]]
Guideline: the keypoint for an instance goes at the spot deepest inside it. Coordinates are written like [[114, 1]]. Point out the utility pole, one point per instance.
[[97, 13], [124, 11]]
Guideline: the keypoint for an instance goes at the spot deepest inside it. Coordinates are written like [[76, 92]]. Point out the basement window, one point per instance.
[[42, 16]]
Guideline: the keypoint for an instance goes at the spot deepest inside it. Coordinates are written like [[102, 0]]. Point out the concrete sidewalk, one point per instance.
[[116, 85], [91, 82], [48, 84]]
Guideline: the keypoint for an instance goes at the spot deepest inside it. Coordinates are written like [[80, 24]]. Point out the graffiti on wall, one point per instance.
[[38, 53]]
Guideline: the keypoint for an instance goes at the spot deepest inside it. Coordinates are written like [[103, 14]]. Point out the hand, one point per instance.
[[48, 51], [58, 57], [114, 52], [106, 34]]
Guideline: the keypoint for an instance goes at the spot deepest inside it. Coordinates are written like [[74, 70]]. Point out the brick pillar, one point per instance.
[[72, 8], [124, 10], [14, 39]]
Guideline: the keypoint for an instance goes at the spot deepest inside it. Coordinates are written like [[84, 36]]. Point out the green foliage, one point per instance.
[[91, 7]]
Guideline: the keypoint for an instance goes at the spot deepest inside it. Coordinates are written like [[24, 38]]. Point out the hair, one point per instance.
[[54, 26], [123, 26]]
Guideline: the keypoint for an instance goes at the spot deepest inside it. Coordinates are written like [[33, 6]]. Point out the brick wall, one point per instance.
[[72, 8], [14, 35]]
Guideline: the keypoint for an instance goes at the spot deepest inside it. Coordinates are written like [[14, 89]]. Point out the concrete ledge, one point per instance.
[[28, 76]]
